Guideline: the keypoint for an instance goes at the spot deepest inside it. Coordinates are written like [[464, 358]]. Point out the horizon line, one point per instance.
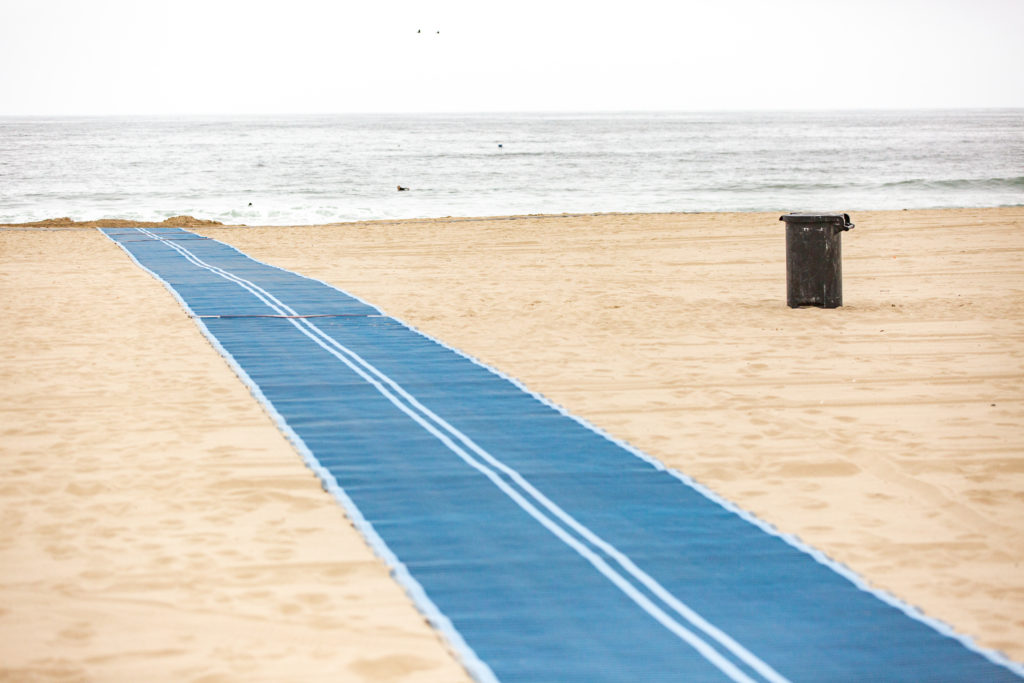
[[509, 112]]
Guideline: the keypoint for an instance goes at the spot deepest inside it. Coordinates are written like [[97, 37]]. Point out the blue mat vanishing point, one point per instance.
[[541, 548]]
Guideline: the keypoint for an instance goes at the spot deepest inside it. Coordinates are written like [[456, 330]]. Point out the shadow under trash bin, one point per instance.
[[814, 259]]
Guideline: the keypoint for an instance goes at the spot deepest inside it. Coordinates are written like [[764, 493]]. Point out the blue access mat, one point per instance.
[[543, 549]]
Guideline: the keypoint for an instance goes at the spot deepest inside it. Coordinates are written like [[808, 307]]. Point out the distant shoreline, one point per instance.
[[66, 223]]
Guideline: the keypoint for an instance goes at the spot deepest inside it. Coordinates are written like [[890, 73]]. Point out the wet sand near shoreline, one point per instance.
[[154, 517]]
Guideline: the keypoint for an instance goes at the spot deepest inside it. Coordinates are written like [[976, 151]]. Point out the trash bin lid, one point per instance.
[[838, 218]]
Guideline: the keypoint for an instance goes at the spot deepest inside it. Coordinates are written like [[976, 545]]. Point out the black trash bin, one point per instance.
[[814, 259]]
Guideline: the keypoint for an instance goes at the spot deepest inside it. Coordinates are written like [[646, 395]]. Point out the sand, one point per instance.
[[156, 524], [887, 433]]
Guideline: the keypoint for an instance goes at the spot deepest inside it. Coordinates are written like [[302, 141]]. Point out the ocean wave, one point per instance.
[[945, 184], [1003, 183], [771, 186]]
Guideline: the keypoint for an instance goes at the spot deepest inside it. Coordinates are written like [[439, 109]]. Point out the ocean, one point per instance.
[[317, 169]]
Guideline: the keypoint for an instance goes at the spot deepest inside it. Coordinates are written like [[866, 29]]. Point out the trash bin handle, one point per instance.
[[845, 225]]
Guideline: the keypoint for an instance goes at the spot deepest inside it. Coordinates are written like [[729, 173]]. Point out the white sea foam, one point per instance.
[[316, 169]]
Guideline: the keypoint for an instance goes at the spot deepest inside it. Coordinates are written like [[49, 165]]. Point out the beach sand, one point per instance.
[[156, 524], [156, 521]]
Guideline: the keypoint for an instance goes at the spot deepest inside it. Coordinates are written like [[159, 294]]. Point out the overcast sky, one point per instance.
[[309, 56]]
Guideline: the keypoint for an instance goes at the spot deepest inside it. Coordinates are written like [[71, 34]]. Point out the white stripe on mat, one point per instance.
[[424, 417]]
